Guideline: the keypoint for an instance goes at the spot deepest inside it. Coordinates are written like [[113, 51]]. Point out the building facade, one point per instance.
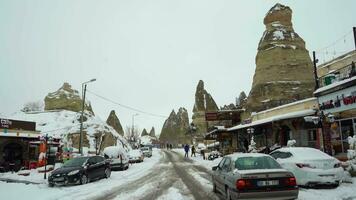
[[15, 144]]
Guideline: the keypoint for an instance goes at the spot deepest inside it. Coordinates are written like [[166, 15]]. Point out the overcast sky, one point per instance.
[[148, 54]]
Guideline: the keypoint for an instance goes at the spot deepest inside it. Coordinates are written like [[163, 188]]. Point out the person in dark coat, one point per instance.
[[186, 149], [193, 151]]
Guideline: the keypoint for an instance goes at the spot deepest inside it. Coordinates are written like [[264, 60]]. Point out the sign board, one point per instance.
[[233, 116], [17, 125], [211, 116], [338, 101]]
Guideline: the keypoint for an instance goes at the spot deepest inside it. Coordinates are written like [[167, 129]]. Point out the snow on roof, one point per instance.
[[60, 123], [213, 144], [290, 115], [146, 139], [333, 85], [287, 105], [113, 151]]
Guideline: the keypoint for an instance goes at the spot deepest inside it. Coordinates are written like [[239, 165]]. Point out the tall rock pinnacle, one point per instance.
[[114, 122], [204, 102], [284, 71]]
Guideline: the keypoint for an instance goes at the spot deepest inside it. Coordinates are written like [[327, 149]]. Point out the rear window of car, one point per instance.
[[263, 162]]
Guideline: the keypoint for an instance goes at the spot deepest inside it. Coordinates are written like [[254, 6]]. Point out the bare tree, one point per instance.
[[132, 134], [33, 106]]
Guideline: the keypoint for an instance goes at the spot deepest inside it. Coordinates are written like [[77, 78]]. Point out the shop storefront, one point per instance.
[[15, 143], [338, 104], [275, 127]]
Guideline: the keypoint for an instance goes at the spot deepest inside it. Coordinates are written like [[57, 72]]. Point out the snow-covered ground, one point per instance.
[[60, 123], [97, 189], [345, 191]]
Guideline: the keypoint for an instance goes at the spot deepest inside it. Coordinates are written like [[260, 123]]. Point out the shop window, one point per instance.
[[347, 130], [312, 137]]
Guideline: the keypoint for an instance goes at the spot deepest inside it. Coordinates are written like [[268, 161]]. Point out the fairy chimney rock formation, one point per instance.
[[114, 122], [204, 102], [284, 71], [175, 128], [65, 98]]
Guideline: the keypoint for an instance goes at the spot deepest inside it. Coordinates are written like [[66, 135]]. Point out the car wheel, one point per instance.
[[50, 184], [84, 179], [107, 173]]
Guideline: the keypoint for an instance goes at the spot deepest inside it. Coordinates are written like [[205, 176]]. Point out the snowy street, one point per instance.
[[166, 175]]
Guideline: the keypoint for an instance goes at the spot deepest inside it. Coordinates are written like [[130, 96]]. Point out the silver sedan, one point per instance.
[[253, 176]]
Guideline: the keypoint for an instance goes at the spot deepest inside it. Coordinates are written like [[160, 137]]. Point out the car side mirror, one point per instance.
[[215, 168]]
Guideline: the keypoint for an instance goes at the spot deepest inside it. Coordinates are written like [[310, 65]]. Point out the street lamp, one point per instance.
[[133, 126], [81, 116]]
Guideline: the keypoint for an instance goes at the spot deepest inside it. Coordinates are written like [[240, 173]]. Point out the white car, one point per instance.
[[135, 156], [117, 156], [310, 166], [147, 152]]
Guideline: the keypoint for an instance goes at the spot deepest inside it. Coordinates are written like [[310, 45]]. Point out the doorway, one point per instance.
[[13, 154]]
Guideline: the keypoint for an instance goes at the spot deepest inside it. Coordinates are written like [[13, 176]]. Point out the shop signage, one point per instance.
[[339, 101], [17, 125], [211, 116]]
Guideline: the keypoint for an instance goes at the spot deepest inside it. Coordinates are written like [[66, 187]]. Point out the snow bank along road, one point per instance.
[[174, 178]]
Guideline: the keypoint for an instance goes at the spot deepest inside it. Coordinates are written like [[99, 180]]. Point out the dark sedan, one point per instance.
[[80, 170]]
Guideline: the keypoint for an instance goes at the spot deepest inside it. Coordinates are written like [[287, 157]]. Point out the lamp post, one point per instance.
[[81, 116], [133, 139]]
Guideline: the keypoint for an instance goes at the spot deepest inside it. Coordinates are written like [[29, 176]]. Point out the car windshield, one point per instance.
[[75, 162], [263, 162]]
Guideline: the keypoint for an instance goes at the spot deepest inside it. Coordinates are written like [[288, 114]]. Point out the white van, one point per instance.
[[117, 156]]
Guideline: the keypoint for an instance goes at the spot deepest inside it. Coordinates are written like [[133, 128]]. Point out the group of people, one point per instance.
[[186, 149], [169, 146]]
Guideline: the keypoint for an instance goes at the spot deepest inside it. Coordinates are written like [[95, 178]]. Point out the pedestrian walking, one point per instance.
[[186, 149], [193, 151], [171, 146]]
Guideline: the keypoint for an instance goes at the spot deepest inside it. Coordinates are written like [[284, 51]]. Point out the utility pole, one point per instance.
[[354, 28], [81, 116], [133, 139], [81, 123], [315, 71]]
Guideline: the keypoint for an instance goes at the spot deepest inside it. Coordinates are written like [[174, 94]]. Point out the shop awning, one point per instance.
[[290, 115]]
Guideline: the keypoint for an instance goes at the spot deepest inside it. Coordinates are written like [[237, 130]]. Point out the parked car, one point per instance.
[[147, 152], [80, 170], [310, 166], [117, 156], [135, 156], [253, 176]]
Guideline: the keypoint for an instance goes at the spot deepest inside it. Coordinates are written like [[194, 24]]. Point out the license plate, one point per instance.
[[267, 183], [58, 179]]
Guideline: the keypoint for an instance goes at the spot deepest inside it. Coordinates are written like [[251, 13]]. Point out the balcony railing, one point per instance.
[[338, 75]]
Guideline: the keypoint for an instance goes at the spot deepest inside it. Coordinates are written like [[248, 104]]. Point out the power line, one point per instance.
[[335, 42], [60, 129], [125, 106]]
